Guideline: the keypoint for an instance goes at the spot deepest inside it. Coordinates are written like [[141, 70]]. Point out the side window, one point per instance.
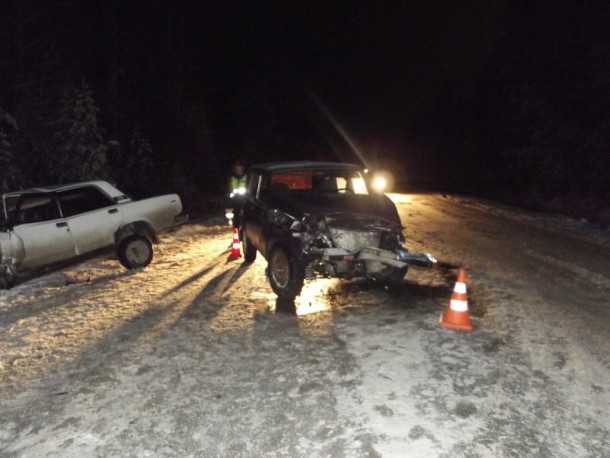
[[3, 213], [82, 200], [258, 185], [264, 187], [253, 183], [10, 205], [36, 209]]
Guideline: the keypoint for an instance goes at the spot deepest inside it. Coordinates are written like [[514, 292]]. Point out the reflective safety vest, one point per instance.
[[237, 184]]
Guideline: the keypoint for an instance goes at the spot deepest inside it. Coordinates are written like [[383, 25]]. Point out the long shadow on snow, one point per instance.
[[144, 328], [189, 280], [34, 308], [210, 300]]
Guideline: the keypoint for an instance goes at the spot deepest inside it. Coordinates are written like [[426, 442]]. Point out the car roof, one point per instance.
[[302, 165], [103, 185]]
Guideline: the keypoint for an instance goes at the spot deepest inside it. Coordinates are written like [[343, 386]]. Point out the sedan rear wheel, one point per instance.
[[135, 252], [286, 274]]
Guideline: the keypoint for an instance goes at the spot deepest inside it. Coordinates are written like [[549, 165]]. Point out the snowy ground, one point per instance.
[[193, 357]]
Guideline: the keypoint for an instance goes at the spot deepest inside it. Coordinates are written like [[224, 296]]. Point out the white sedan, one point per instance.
[[40, 226]]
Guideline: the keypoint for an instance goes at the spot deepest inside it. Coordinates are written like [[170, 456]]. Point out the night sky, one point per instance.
[[373, 70], [372, 74], [449, 95]]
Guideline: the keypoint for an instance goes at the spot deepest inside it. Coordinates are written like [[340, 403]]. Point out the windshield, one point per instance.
[[323, 181]]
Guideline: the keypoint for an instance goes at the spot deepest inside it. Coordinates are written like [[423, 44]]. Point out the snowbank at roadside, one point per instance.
[[571, 227]]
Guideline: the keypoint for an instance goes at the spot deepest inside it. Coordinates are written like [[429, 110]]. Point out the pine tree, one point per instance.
[[35, 112], [546, 100], [8, 171], [139, 164], [6, 160], [80, 151]]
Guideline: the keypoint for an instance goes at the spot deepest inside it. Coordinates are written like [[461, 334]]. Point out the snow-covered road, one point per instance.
[[193, 357]]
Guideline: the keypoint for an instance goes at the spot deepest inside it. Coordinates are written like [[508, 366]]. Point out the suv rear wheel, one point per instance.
[[285, 272], [249, 250]]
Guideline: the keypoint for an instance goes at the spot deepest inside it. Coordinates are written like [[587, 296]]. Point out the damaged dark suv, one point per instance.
[[319, 219]]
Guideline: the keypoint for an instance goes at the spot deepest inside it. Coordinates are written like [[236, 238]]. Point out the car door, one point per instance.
[[42, 234], [254, 211], [93, 217]]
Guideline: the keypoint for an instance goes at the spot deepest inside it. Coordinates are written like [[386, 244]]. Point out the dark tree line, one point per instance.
[[139, 92], [92, 89], [543, 113], [161, 95]]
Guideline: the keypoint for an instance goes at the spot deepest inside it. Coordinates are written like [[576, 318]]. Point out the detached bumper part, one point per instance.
[[418, 260], [402, 259]]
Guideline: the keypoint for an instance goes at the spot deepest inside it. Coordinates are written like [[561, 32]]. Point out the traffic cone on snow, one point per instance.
[[456, 316], [235, 253]]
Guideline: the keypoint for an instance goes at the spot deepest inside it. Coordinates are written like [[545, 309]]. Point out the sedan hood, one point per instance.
[[298, 205]]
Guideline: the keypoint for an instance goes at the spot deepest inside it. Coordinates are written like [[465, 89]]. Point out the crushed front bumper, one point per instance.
[[387, 258]]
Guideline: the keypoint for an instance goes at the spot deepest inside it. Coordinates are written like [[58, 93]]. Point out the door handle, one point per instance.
[[64, 224], [113, 210]]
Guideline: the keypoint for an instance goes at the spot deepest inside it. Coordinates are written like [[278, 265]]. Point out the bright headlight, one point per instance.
[[382, 181], [379, 184]]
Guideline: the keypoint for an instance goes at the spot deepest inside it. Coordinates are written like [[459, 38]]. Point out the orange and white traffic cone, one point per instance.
[[235, 253], [456, 315]]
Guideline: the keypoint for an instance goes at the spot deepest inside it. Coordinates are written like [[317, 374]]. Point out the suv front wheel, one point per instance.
[[285, 272]]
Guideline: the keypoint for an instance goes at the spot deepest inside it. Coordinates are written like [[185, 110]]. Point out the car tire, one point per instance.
[[285, 272], [249, 250], [135, 252], [398, 274], [396, 277], [6, 279]]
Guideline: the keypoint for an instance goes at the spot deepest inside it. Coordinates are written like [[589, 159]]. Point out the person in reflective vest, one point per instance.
[[237, 188], [237, 180]]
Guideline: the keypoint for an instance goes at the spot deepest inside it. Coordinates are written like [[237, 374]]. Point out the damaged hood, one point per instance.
[[372, 205]]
